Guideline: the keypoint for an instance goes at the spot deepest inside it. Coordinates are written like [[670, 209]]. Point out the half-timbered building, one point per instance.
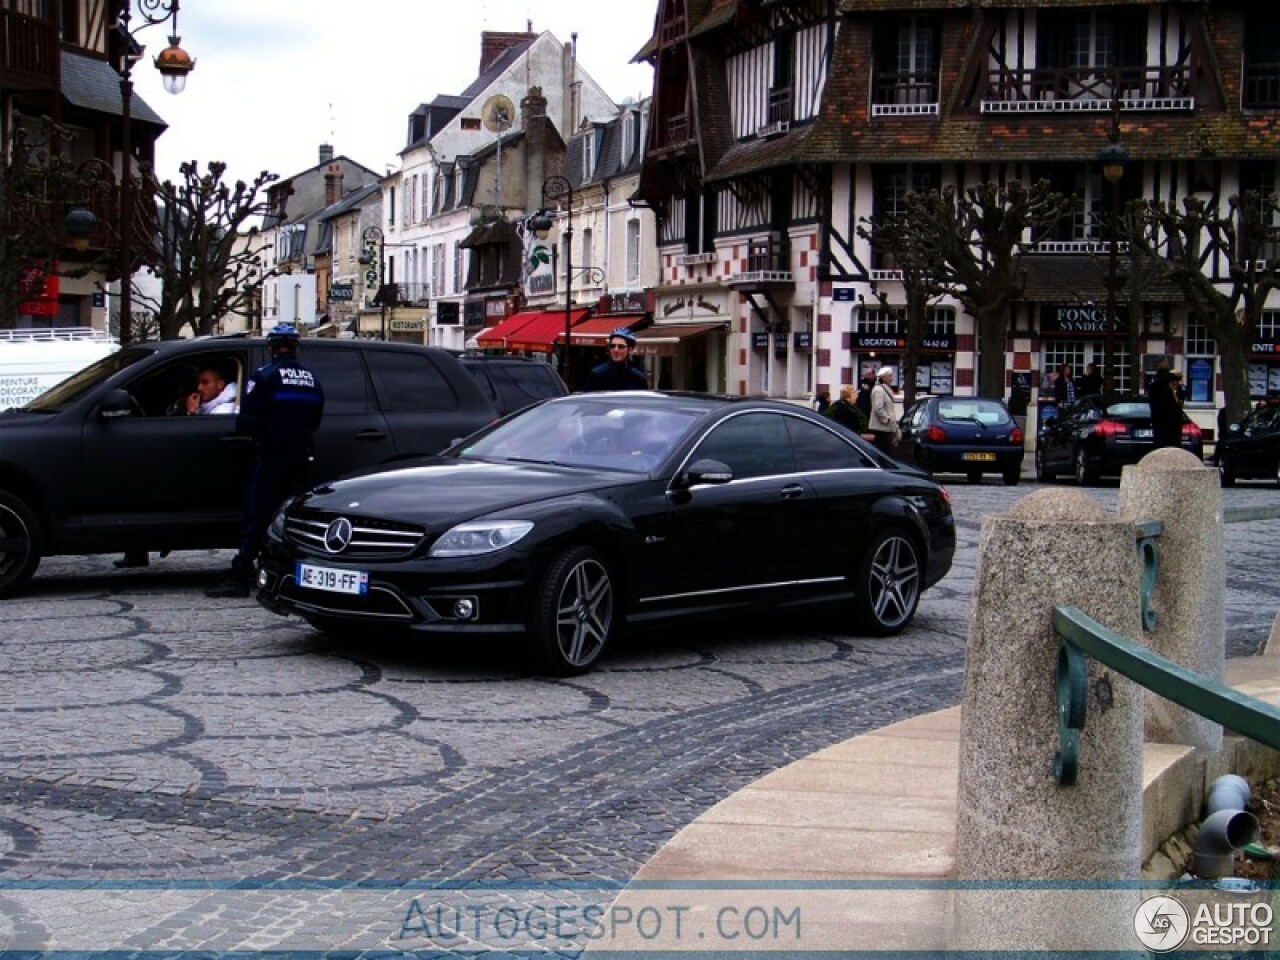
[[781, 127]]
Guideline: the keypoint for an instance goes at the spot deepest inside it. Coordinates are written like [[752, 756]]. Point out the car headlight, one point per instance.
[[479, 536], [275, 530]]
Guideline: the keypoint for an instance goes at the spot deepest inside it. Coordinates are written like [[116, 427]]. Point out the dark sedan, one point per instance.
[[969, 435], [1099, 435], [1250, 449], [579, 516]]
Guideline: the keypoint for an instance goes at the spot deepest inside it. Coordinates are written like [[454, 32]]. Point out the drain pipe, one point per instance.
[[1226, 828]]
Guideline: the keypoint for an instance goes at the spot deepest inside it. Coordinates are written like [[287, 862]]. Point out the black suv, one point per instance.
[[99, 465], [512, 383]]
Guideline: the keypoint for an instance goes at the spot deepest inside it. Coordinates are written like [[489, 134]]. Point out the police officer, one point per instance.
[[617, 373], [280, 412]]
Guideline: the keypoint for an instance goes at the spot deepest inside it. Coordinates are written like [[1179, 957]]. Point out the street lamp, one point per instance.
[[174, 64], [1112, 158], [554, 188]]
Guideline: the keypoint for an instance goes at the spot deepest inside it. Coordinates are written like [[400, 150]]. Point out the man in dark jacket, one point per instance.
[[280, 412], [1166, 408], [617, 373]]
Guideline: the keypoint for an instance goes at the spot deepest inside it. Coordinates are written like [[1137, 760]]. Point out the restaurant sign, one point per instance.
[[1074, 319]]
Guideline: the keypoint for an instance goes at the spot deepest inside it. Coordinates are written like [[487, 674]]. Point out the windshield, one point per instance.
[[587, 433], [76, 385], [986, 412]]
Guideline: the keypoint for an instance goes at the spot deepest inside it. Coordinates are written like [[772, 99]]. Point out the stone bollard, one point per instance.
[[1172, 486], [1018, 831]]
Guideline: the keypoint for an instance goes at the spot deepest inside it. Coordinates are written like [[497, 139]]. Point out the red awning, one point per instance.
[[544, 331], [499, 334], [595, 331]]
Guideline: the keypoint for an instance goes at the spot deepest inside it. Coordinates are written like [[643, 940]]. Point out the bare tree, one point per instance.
[[209, 250], [1225, 266], [971, 241]]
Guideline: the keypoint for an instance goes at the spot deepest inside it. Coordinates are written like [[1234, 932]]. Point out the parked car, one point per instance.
[[512, 383], [1250, 449], [1098, 435], [579, 516], [97, 464], [969, 435]]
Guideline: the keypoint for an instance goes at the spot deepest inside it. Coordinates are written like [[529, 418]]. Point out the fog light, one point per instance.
[[464, 609]]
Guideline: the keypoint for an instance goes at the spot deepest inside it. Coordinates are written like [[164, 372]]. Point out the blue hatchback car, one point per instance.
[[969, 435]]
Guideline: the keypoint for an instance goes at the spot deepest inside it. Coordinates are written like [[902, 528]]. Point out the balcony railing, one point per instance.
[[1089, 89], [404, 295], [897, 94], [28, 51], [781, 105], [679, 130], [1262, 86]]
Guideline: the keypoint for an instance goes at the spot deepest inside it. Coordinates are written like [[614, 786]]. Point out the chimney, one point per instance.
[[533, 105], [538, 131], [332, 183], [326, 152], [493, 45]]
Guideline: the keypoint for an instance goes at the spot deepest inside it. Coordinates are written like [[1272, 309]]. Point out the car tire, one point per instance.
[[1226, 476], [1011, 477], [1043, 473], [887, 588], [575, 613], [21, 543], [1085, 476]]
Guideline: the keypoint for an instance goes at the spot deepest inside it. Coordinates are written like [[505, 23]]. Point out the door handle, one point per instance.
[[236, 440], [371, 435], [793, 491]]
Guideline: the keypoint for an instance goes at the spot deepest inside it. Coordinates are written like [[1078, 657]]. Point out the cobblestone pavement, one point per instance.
[[147, 733]]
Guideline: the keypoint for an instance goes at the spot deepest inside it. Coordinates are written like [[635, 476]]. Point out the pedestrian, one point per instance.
[[883, 424], [846, 413], [1064, 388], [280, 411], [1166, 408], [1090, 383], [863, 400], [618, 372], [821, 400]]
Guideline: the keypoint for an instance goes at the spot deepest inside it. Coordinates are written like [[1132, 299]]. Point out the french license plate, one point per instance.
[[1142, 433], [986, 457], [331, 579]]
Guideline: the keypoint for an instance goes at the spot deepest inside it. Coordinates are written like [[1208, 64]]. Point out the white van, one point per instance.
[[32, 361]]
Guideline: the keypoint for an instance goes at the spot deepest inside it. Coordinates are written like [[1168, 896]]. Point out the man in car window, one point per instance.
[[212, 395], [617, 373], [282, 406]]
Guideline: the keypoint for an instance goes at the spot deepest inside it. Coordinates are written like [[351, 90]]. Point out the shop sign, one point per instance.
[[496, 308], [342, 292], [878, 341], [1067, 319], [692, 306], [539, 266], [628, 301], [759, 341], [844, 295], [408, 326], [1266, 347], [447, 313], [39, 282], [803, 339]]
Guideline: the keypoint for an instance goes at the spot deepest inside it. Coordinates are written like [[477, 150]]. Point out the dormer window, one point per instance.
[[459, 180], [628, 137], [588, 155]]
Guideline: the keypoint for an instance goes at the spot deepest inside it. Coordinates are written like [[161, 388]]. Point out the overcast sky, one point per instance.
[[276, 78]]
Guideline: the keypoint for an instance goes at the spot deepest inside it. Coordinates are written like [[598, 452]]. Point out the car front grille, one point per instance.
[[369, 538]]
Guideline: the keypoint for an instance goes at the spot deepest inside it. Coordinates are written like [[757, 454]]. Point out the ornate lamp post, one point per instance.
[[174, 64], [1112, 158], [555, 188]]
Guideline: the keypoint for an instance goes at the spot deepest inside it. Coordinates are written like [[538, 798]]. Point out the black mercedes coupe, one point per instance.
[[577, 517]]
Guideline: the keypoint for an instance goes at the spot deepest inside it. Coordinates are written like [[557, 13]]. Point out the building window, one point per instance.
[[633, 253], [458, 266], [628, 137], [1201, 351], [587, 239], [391, 206], [437, 270], [588, 155]]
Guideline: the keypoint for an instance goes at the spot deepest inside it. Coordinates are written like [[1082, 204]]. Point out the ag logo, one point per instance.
[[1161, 924]]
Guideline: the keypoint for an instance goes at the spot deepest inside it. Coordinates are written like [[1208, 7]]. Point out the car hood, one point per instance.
[[446, 490]]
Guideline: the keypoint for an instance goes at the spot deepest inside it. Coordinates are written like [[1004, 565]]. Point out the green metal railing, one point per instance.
[[1080, 637]]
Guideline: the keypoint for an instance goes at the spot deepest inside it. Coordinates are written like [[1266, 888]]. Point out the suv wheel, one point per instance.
[[1085, 475], [20, 543]]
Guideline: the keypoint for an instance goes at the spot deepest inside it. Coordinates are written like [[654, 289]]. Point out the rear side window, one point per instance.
[[751, 444], [342, 378], [817, 448], [409, 382], [520, 384]]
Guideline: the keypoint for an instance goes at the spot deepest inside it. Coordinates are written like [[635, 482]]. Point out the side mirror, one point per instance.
[[116, 403], [705, 471]]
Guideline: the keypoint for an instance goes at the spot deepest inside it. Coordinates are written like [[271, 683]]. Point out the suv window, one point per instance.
[[341, 375], [163, 392], [405, 381], [514, 384]]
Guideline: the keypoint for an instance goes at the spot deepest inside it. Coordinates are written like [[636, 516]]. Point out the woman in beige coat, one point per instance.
[[884, 422]]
